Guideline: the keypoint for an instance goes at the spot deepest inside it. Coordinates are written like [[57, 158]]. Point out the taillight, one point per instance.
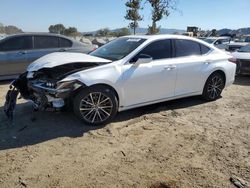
[[232, 60]]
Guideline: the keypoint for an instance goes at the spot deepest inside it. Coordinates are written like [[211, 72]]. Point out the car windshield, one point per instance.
[[118, 49], [210, 41], [244, 49]]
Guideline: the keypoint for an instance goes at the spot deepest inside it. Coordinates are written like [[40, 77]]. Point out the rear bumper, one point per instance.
[[243, 66]]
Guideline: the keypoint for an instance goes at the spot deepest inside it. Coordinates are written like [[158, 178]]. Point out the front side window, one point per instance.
[[16, 43], [118, 48], [43, 42], [161, 49], [186, 48]]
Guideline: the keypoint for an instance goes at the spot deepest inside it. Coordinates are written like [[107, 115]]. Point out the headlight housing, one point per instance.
[[69, 85]]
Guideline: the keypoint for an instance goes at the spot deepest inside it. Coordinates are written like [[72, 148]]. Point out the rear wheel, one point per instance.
[[213, 87], [96, 105]]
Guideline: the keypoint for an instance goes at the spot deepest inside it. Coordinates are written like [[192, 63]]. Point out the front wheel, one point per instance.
[[96, 105], [213, 87]]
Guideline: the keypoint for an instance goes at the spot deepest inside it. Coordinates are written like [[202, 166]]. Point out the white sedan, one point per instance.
[[126, 73], [242, 57]]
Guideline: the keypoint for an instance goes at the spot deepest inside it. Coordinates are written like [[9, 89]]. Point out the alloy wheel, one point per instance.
[[96, 107], [215, 87]]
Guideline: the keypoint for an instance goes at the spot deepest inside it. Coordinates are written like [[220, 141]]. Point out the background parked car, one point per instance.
[[238, 43], [18, 51], [219, 42], [243, 60]]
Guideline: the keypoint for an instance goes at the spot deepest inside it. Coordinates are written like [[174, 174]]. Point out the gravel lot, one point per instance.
[[182, 143]]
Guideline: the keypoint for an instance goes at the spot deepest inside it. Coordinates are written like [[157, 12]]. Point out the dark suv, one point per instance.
[[18, 51]]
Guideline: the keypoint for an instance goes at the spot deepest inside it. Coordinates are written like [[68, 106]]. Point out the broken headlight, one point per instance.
[[68, 85], [50, 84]]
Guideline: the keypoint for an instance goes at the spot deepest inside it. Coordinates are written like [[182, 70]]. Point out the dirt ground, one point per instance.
[[183, 143]]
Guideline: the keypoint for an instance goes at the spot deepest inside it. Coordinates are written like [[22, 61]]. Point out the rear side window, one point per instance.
[[204, 49], [158, 50], [65, 43], [43, 42], [186, 48], [17, 43]]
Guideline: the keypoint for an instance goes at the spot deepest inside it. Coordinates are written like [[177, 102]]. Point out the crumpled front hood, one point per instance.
[[61, 58]]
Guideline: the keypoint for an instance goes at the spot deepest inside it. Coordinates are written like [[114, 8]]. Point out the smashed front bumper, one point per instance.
[[43, 93], [10, 102]]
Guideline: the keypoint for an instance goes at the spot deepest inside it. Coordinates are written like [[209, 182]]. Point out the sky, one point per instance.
[[91, 15]]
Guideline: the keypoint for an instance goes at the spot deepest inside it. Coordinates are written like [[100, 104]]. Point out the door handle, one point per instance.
[[22, 52], [62, 50], [170, 67], [207, 62]]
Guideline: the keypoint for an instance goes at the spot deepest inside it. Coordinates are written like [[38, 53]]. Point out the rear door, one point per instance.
[[13, 54], [43, 45], [65, 44], [68, 45], [191, 60]]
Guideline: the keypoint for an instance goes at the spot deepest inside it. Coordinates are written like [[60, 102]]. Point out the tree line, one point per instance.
[[61, 29], [9, 29], [72, 31], [159, 10]]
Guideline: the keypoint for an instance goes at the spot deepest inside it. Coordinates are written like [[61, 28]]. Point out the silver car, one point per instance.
[[18, 51]]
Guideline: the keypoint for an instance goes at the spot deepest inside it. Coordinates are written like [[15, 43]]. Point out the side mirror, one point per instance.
[[143, 58]]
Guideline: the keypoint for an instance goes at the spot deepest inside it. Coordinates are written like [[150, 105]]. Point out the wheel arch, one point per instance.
[[109, 87], [221, 72]]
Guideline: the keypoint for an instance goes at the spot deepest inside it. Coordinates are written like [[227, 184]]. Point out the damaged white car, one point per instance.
[[126, 73]]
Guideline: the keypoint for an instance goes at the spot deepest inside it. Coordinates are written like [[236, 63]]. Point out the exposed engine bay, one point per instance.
[[44, 89]]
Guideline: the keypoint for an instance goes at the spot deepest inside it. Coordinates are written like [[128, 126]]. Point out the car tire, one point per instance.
[[213, 87], [96, 105]]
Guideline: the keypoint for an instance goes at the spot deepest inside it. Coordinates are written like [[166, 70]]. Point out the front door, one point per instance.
[[152, 81], [13, 55]]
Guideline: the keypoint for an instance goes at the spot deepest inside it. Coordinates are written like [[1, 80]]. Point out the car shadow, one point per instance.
[[156, 108], [243, 80], [30, 128], [4, 82]]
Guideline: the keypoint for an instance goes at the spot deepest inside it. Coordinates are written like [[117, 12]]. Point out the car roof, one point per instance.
[[39, 34], [168, 36], [165, 36], [162, 36], [217, 38]]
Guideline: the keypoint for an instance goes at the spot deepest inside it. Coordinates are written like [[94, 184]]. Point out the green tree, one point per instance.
[[58, 28], [2, 30], [133, 7], [71, 31], [214, 33], [160, 9], [121, 32], [10, 29], [103, 32]]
